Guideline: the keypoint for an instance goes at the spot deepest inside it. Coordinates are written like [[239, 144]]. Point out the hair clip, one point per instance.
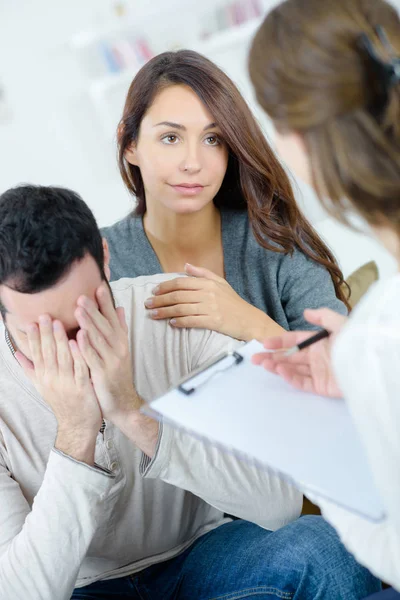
[[388, 71]]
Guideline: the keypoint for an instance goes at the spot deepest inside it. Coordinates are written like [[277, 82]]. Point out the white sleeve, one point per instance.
[[367, 365], [41, 549], [231, 485]]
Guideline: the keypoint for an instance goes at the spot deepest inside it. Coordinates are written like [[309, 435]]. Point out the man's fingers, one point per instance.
[[121, 318], [97, 339], [26, 364], [106, 304], [35, 347], [81, 371], [64, 358], [88, 352], [105, 324], [48, 343]]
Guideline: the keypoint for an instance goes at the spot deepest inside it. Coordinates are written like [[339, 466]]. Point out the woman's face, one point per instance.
[[180, 152]]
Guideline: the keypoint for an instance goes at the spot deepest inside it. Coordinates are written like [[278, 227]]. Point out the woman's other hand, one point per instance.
[[309, 370]]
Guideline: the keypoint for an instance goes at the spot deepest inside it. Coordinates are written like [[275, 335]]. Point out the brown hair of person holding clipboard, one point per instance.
[[328, 75]]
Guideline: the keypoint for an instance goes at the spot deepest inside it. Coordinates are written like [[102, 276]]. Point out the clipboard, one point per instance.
[[309, 440]]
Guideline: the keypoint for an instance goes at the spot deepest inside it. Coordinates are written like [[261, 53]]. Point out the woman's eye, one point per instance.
[[212, 140], [169, 139]]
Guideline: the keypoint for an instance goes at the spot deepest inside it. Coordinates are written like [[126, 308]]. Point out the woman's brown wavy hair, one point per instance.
[[255, 181], [313, 75]]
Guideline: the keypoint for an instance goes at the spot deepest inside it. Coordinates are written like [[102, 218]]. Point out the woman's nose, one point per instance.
[[191, 162]]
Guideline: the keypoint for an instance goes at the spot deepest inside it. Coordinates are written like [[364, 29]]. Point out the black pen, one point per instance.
[[320, 335]]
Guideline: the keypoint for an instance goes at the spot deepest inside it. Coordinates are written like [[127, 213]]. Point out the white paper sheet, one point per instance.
[[308, 439]]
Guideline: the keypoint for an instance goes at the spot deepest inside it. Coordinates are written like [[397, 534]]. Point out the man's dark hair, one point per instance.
[[43, 231]]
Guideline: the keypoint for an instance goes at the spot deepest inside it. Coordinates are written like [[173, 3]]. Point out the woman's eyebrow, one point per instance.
[[182, 127], [171, 124], [210, 126]]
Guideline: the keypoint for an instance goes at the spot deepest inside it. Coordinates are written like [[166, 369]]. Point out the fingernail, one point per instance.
[[148, 302], [44, 319], [155, 290], [172, 321], [57, 326], [154, 313]]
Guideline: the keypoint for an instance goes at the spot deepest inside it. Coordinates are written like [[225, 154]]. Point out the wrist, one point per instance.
[[141, 430], [126, 419], [261, 326], [128, 406], [77, 443]]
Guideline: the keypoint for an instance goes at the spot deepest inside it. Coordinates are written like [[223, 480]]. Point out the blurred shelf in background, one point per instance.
[[111, 57]]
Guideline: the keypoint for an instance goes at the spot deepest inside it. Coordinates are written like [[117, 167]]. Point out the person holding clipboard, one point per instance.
[[328, 75]]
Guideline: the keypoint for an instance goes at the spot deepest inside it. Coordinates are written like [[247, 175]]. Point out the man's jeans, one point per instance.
[[302, 561], [390, 594]]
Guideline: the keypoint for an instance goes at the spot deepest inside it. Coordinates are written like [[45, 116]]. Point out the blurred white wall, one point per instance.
[[54, 134]]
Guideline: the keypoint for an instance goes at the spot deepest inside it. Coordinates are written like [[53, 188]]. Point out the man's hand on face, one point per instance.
[[103, 343], [61, 375]]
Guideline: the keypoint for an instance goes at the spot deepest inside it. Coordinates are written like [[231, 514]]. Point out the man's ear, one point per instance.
[[106, 259]]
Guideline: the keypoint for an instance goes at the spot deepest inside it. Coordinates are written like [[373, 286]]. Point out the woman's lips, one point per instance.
[[188, 189]]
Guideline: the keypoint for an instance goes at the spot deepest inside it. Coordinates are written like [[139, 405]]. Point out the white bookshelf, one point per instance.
[[226, 39], [108, 90], [218, 42]]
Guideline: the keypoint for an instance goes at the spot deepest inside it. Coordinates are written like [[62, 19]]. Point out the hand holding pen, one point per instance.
[[303, 358]]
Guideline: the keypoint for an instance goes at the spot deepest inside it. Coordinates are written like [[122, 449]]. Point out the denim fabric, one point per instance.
[[390, 594], [302, 561]]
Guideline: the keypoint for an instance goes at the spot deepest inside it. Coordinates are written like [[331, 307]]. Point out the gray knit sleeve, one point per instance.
[[305, 284]]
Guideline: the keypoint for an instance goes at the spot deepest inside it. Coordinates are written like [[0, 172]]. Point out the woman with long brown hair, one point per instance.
[[328, 75], [211, 193], [213, 201]]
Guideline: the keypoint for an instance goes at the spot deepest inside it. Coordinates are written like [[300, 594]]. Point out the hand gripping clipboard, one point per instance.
[[309, 440]]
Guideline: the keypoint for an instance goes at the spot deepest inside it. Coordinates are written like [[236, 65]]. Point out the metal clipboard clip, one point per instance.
[[203, 375]]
